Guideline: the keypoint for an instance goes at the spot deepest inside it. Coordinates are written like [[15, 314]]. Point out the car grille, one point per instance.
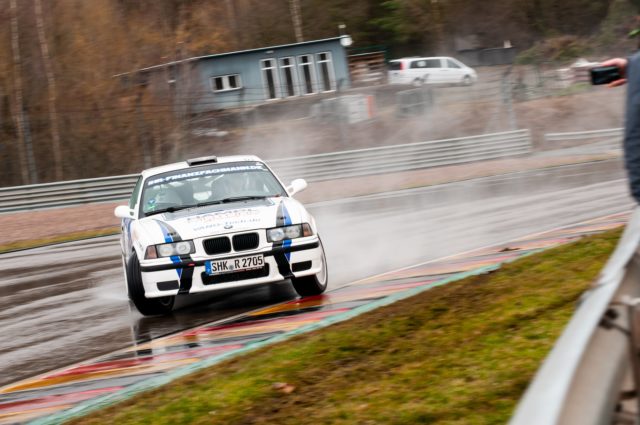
[[217, 245], [245, 241], [232, 277]]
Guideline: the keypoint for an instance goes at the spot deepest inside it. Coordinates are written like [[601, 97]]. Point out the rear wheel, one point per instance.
[[315, 284], [146, 306]]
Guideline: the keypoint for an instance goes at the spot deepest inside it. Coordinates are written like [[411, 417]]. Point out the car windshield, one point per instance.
[[207, 185]]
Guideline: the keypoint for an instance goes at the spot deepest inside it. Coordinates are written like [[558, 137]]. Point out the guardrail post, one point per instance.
[[634, 344], [613, 320]]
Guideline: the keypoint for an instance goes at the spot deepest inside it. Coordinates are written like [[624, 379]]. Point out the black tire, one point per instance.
[[314, 284], [146, 306], [418, 82]]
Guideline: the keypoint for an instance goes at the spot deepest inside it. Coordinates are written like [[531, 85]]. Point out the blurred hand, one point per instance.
[[620, 63]]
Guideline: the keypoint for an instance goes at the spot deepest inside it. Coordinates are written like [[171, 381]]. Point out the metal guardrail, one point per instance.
[[72, 192], [585, 135], [320, 167], [609, 139], [595, 362], [313, 168], [404, 157]]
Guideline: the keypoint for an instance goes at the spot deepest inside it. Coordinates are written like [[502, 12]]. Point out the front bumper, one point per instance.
[[189, 276]]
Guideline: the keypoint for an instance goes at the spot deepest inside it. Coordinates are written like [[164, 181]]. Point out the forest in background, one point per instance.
[[63, 116]]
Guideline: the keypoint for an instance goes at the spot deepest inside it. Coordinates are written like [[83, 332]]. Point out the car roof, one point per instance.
[[182, 165]]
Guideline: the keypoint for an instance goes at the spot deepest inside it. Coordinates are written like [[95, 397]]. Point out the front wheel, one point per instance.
[[316, 284], [146, 306]]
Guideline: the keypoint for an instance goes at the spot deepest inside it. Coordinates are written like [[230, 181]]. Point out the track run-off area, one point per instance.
[[65, 304]]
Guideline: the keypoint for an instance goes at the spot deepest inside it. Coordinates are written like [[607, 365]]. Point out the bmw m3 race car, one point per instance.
[[212, 223]]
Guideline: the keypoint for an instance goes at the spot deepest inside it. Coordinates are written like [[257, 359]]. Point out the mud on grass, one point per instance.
[[458, 354]]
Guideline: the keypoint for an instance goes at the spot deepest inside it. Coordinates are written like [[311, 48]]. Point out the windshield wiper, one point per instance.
[[204, 204], [241, 198], [169, 209]]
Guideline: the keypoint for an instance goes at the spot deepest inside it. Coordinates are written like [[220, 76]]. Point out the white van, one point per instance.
[[435, 70]]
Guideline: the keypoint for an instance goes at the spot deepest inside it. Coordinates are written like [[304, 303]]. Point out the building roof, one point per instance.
[[217, 55]]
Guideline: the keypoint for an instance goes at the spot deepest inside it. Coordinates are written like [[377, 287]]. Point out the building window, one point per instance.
[[226, 82], [325, 68], [288, 77], [269, 78], [307, 74]]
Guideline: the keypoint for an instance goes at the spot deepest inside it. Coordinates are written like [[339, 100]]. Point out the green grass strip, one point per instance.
[[459, 354], [68, 237]]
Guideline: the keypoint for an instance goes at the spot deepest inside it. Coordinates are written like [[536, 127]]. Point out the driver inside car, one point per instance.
[[232, 185]]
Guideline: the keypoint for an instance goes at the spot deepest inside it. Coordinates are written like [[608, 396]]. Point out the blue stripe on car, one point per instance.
[[287, 222], [282, 260], [168, 238]]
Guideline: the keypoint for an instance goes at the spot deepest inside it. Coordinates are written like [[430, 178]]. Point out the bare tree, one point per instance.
[[297, 19], [51, 84], [19, 101], [233, 22]]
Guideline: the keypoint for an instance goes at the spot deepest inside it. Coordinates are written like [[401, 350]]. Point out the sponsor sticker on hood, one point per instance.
[[227, 219]]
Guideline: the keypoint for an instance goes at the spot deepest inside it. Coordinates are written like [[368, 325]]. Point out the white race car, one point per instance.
[[212, 223]]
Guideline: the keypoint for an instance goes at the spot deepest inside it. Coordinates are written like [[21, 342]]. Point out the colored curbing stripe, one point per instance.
[[342, 297], [141, 361], [60, 380], [13, 418], [110, 399], [54, 400], [256, 328]]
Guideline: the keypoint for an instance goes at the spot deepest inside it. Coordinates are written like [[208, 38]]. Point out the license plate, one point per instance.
[[232, 265]]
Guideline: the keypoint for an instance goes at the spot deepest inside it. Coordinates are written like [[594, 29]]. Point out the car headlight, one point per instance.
[[278, 234], [169, 249]]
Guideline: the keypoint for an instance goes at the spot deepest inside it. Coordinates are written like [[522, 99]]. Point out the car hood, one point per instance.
[[221, 219]]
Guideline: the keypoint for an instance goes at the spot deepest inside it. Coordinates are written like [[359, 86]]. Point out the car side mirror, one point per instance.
[[123, 211], [298, 185]]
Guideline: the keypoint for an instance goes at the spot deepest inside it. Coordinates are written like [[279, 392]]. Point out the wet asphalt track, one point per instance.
[[66, 303]]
